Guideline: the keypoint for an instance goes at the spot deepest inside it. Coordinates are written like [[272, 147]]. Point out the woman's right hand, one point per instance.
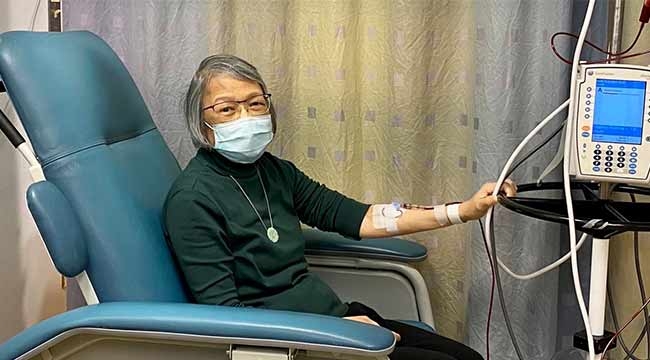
[[367, 320]]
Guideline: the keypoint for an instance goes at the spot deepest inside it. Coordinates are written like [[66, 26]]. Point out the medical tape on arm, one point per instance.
[[384, 216]]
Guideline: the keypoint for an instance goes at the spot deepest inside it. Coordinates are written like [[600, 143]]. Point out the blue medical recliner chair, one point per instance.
[[102, 171]]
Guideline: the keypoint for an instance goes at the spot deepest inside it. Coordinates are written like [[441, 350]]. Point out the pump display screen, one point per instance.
[[618, 111]]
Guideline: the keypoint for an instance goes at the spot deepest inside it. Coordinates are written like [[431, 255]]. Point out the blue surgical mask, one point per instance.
[[243, 140]]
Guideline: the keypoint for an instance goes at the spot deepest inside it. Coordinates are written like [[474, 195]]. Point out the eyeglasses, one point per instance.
[[230, 110]]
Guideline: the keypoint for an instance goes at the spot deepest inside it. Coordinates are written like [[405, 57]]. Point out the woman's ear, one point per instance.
[[208, 134]]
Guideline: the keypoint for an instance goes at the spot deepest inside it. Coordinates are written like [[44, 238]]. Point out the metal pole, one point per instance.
[[617, 26]]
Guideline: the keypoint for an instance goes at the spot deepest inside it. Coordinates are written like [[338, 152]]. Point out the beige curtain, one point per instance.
[[376, 102], [622, 271]]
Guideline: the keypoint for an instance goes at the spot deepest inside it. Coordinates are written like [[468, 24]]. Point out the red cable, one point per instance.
[[627, 323], [645, 12], [609, 54]]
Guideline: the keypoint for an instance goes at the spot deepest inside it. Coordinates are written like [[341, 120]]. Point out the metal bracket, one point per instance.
[[54, 14], [259, 353]]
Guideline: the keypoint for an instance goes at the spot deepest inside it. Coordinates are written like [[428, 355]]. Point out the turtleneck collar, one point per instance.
[[223, 166]]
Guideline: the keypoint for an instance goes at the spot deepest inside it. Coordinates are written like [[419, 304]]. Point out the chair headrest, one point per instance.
[[92, 99]]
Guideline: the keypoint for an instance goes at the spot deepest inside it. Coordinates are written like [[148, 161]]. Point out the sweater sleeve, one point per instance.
[[196, 233], [326, 209]]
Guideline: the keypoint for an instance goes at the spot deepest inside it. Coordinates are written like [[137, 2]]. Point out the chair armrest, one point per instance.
[[332, 244], [282, 328]]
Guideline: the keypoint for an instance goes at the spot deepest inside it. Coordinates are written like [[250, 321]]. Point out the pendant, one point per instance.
[[272, 234]]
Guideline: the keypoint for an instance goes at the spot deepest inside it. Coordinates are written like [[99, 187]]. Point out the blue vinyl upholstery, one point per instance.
[[246, 323], [98, 145], [332, 244], [58, 222]]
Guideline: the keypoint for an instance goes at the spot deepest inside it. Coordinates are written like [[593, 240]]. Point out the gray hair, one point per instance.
[[209, 68]]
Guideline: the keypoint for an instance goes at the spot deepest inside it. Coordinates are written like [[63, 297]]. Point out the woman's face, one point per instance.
[[224, 88]]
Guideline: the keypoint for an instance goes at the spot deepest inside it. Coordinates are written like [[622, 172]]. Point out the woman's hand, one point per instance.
[[482, 201], [367, 320]]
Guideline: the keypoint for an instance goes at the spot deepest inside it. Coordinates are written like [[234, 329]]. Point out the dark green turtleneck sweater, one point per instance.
[[223, 249]]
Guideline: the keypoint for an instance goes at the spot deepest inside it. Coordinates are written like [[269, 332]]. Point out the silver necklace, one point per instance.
[[271, 233]]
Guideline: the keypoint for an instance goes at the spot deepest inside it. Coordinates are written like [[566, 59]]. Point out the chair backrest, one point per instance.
[[97, 143]]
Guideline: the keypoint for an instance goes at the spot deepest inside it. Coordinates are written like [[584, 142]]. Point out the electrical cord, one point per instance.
[[567, 186], [489, 315], [492, 254], [536, 149], [504, 309], [568, 196], [594, 46], [629, 353], [32, 24], [621, 57], [618, 332], [639, 278], [612, 308], [645, 332], [569, 204], [501, 180]]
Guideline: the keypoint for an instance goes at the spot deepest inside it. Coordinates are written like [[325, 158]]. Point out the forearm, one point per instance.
[[389, 220], [393, 220]]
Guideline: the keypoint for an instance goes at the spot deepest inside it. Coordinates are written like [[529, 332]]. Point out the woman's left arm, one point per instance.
[[393, 220]]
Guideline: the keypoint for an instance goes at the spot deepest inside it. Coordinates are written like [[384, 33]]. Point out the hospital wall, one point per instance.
[[30, 288]]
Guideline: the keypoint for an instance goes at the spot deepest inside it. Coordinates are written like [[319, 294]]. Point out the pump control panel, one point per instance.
[[610, 126]]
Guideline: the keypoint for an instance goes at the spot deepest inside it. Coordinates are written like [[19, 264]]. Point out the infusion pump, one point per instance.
[[610, 126]]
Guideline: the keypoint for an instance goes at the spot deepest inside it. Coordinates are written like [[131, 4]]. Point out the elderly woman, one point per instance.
[[233, 216]]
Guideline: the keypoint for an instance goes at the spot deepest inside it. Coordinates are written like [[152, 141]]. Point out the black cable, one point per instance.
[[497, 277], [536, 149], [502, 301], [645, 331], [489, 315], [639, 277]]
